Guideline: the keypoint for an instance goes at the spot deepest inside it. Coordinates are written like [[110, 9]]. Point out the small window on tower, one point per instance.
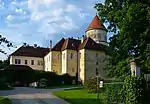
[[71, 55], [96, 71], [97, 63]]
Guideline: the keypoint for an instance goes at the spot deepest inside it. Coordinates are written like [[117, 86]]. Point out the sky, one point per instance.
[[39, 21]]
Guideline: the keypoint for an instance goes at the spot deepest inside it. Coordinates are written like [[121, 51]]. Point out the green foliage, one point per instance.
[[4, 41], [91, 85], [4, 63], [134, 88], [42, 83], [129, 21], [114, 94], [25, 77], [3, 84], [4, 100]]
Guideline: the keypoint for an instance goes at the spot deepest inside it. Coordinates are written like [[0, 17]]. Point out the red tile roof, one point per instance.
[[89, 44], [72, 44], [96, 24], [31, 51], [59, 45]]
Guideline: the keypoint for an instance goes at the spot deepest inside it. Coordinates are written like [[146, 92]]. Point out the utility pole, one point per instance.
[[97, 90]]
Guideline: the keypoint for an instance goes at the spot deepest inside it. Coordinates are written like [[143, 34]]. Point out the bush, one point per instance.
[[42, 83], [114, 94], [135, 88], [91, 84], [3, 83], [26, 77]]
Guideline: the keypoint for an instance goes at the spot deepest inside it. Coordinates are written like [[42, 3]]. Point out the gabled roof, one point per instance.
[[96, 24], [72, 44], [31, 51], [89, 44], [59, 45]]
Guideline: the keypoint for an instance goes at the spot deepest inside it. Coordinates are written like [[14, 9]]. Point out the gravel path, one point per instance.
[[25, 95]]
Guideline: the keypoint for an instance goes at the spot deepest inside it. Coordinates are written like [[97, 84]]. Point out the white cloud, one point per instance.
[[19, 10], [10, 17], [42, 20]]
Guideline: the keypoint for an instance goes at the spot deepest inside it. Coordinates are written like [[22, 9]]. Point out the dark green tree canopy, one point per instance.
[[4, 41], [129, 20]]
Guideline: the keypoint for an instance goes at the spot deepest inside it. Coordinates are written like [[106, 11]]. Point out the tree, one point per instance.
[[129, 20], [4, 63], [4, 41]]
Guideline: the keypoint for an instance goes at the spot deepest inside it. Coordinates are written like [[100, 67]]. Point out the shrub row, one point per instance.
[[25, 77]]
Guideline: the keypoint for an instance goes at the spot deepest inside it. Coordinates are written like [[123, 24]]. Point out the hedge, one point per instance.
[[25, 77]]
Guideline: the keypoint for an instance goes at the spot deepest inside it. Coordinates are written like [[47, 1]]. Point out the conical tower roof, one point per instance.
[[96, 24]]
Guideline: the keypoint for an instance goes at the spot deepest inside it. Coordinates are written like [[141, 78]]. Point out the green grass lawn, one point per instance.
[[62, 86], [79, 96], [5, 100]]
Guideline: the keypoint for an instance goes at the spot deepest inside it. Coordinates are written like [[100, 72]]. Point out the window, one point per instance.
[[71, 55], [72, 69], [32, 62], [41, 62], [80, 56], [26, 62], [38, 62], [58, 57], [49, 57], [96, 62], [17, 61], [64, 56]]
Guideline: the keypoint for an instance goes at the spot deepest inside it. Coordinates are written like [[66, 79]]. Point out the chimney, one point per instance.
[[35, 45], [82, 39], [50, 44], [24, 44]]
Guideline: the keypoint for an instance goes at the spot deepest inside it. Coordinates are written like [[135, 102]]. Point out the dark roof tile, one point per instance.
[[72, 44], [31, 51], [59, 45], [88, 43]]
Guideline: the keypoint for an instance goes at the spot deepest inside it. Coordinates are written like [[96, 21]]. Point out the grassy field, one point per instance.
[[63, 86], [79, 96], [4, 100]]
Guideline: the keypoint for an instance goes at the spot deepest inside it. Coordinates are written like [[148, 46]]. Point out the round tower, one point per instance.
[[97, 31]]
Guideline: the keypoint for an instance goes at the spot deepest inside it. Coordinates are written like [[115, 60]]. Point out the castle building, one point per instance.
[[83, 57]]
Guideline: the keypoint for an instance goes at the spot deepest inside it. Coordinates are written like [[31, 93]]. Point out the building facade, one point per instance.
[[83, 57]]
